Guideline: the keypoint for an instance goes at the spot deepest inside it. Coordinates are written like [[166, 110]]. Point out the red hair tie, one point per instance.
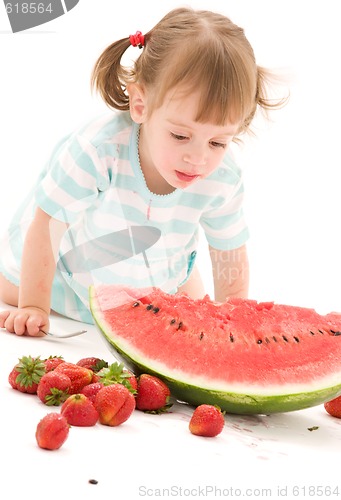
[[137, 40]]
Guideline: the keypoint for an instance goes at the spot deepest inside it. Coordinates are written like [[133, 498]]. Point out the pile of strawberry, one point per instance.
[[92, 391]]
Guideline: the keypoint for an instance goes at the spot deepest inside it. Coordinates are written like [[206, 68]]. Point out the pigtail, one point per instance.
[[268, 82], [109, 77], [265, 99]]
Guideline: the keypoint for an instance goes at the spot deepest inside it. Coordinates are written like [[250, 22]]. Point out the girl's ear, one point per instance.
[[137, 102]]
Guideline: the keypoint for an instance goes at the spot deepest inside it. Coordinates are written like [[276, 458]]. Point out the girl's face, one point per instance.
[[175, 150]]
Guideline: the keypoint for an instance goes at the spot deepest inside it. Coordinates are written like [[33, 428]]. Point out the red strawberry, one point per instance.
[[95, 378], [207, 420], [80, 376], [333, 407], [26, 374], [152, 394], [114, 403], [52, 431], [12, 378], [53, 388], [91, 390], [51, 362], [93, 363], [79, 410], [117, 374], [131, 382]]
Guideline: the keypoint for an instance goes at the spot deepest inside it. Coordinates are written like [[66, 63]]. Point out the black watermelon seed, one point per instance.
[[284, 338], [149, 307], [259, 341], [201, 336], [93, 481], [274, 338], [156, 310], [311, 333], [231, 338], [336, 334], [180, 325], [296, 339], [172, 321], [321, 332], [267, 340], [136, 304]]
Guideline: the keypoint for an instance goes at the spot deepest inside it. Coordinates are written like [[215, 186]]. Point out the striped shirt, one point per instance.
[[118, 231]]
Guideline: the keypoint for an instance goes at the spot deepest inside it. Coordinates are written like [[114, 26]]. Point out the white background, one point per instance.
[[291, 167], [292, 206]]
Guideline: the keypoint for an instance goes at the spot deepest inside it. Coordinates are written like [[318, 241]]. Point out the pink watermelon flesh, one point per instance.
[[245, 356]]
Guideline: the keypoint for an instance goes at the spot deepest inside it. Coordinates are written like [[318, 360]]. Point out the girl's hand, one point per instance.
[[25, 321]]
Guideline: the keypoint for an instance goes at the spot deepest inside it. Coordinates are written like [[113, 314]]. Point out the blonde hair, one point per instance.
[[197, 50]]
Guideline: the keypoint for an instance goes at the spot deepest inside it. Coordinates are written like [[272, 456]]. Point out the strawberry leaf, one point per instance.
[[128, 385], [113, 374], [159, 411], [56, 398], [99, 365], [30, 370]]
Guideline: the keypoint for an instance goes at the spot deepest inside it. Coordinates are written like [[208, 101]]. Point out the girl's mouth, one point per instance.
[[186, 177]]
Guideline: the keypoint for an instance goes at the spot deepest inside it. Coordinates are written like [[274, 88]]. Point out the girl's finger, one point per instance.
[[3, 316], [34, 324], [19, 323]]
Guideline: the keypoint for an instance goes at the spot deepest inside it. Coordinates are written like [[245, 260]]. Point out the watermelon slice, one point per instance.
[[245, 356]]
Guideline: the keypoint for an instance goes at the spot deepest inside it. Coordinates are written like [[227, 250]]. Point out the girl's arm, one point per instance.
[[37, 272], [194, 286], [230, 273]]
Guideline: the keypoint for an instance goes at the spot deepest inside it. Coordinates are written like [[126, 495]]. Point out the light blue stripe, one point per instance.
[[8, 276], [65, 301], [70, 186], [107, 150], [234, 242], [53, 209], [81, 158], [224, 221]]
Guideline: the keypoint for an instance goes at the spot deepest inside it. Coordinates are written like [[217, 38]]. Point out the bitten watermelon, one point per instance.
[[247, 357]]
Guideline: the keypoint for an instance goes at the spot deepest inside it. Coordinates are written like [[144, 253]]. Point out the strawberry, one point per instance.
[[114, 403], [91, 390], [333, 407], [52, 431], [53, 388], [93, 363], [51, 362], [207, 420], [95, 378], [26, 374], [152, 394], [12, 378], [117, 374], [80, 376], [79, 411]]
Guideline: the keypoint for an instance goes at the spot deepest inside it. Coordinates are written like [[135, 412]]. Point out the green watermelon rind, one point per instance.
[[231, 402]]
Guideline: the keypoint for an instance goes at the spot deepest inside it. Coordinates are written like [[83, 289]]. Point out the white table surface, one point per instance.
[[155, 456]]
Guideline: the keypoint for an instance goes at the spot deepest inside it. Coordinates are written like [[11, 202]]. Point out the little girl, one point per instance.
[[122, 199]]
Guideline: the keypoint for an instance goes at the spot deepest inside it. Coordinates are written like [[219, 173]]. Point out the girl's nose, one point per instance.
[[196, 158]]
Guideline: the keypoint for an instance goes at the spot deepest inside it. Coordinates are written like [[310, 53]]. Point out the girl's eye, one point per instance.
[[179, 137], [218, 144]]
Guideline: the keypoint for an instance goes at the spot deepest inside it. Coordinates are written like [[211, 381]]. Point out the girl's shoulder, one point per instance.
[[114, 127], [228, 171]]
